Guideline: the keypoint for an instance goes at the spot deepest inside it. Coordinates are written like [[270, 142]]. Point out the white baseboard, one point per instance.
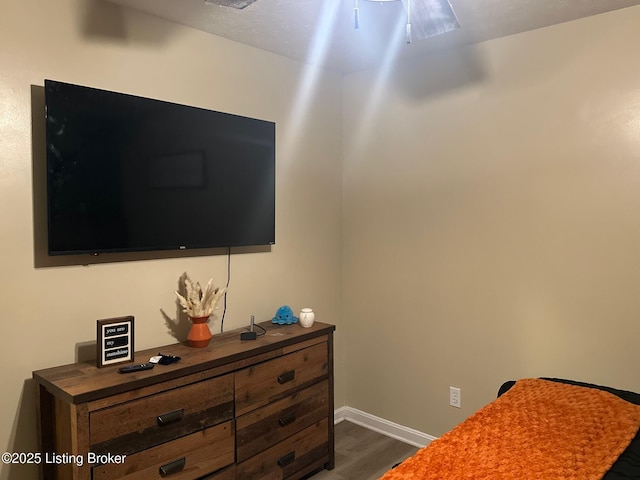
[[385, 427]]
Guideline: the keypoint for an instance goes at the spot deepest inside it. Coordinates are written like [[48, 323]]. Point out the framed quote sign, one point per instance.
[[115, 340]]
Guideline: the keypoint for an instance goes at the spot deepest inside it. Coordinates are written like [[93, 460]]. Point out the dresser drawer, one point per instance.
[[266, 426], [283, 460], [260, 384], [228, 473], [188, 457], [138, 424]]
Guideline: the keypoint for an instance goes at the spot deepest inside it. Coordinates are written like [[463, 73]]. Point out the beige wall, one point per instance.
[[492, 220], [48, 312]]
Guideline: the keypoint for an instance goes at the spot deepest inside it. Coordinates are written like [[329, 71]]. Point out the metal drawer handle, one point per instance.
[[287, 377], [287, 419], [173, 467], [287, 459], [170, 417]]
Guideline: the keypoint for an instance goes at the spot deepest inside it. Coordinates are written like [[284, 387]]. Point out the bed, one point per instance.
[[542, 428]]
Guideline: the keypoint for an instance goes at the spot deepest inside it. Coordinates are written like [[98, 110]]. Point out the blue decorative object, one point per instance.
[[284, 316]]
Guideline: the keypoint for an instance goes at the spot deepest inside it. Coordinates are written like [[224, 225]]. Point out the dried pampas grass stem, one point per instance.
[[198, 302]]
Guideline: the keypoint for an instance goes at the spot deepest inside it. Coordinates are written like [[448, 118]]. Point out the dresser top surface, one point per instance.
[[81, 382]]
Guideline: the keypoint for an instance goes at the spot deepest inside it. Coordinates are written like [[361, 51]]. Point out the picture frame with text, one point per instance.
[[115, 340]]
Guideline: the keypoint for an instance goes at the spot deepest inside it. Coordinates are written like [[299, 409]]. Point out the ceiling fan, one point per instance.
[[430, 17], [239, 4]]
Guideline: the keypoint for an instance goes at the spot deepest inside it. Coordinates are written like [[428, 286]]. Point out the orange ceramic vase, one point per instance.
[[199, 334]]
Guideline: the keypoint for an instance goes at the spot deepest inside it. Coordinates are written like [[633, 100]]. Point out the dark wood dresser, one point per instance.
[[246, 410]]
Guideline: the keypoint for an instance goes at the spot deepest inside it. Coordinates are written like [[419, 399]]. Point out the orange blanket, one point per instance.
[[537, 430]]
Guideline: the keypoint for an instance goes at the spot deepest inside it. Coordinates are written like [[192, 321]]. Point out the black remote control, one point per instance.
[[136, 368]]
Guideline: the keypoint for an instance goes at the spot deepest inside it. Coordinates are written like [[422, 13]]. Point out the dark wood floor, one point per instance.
[[362, 454]]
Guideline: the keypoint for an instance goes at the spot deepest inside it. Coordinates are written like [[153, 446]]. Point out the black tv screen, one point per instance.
[[126, 173]]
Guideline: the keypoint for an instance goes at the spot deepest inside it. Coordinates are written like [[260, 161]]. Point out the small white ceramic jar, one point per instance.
[[307, 317]]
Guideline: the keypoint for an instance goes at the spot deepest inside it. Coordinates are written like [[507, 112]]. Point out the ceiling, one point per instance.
[[322, 31]]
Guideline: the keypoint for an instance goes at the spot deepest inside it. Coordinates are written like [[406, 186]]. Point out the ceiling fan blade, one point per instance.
[[431, 17], [240, 4]]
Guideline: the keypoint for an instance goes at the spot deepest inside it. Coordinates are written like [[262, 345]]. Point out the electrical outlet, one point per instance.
[[455, 399]]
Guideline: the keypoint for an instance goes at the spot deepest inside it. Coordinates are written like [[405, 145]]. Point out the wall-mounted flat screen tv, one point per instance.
[[126, 173]]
